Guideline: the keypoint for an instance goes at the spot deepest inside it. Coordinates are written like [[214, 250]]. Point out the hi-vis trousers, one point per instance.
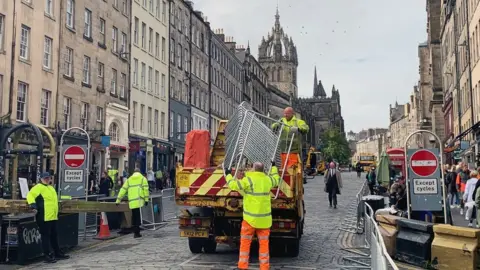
[[246, 236]]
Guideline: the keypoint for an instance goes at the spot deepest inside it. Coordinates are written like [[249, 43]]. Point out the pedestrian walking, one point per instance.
[[371, 180], [451, 185], [333, 184], [358, 168], [136, 187], [151, 179], [42, 198], [462, 177], [468, 198], [257, 211]]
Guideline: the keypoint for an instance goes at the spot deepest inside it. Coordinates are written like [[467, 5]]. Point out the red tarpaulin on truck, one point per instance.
[[197, 149]]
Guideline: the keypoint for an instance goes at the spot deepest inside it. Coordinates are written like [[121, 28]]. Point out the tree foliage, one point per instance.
[[335, 146]]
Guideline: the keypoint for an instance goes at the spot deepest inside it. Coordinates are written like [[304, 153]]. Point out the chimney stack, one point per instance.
[[230, 43]]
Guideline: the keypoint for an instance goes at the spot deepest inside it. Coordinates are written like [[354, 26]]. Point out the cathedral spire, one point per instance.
[[315, 82], [277, 20]]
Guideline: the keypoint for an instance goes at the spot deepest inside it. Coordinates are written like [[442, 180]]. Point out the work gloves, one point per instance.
[[228, 171], [294, 130], [146, 203]]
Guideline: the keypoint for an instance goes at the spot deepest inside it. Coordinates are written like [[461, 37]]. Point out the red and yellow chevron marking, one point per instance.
[[211, 182]]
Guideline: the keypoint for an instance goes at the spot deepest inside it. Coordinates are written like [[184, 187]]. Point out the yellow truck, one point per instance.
[[212, 213], [367, 160], [320, 166]]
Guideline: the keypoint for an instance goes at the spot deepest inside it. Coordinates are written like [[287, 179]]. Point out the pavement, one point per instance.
[[322, 245]]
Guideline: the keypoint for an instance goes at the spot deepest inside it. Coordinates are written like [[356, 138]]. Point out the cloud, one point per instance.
[[366, 50]]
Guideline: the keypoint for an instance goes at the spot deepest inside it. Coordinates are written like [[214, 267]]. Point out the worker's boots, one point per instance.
[[49, 259]]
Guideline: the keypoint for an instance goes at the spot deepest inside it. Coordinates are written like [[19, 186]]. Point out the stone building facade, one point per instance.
[[179, 81], [255, 86], [277, 54], [226, 78], [34, 95], [149, 86], [200, 71], [93, 86]]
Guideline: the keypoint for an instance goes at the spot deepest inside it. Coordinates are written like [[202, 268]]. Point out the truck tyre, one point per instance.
[[293, 248], [195, 245], [210, 246]]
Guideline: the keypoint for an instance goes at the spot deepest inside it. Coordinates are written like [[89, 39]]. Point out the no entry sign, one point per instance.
[[424, 163], [74, 156]]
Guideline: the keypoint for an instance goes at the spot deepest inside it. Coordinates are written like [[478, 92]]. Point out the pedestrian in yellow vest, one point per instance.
[[257, 211], [112, 173], [42, 198], [136, 187]]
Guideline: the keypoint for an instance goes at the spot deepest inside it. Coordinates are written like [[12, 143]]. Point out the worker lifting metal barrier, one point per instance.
[[250, 138]]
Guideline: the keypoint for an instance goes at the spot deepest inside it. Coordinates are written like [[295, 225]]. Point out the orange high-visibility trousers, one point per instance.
[[246, 236]]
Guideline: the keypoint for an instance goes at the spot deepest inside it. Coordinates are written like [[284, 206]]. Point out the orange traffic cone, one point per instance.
[[104, 233]]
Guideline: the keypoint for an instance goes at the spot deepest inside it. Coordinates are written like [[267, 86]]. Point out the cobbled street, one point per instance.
[[321, 245]]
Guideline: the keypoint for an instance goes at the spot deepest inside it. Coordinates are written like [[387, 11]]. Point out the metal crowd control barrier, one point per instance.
[[151, 214], [378, 259], [87, 222], [160, 209], [169, 207]]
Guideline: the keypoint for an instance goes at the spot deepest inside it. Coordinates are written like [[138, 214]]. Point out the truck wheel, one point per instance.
[[195, 245], [293, 248], [210, 246]]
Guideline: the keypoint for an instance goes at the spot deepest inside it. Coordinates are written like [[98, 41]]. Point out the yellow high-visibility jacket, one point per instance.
[[285, 137], [45, 199], [255, 187], [136, 187]]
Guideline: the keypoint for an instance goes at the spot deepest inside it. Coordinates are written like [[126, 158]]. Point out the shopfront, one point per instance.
[[162, 155], [141, 154]]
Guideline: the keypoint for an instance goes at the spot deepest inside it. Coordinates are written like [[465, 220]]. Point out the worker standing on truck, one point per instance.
[[257, 211], [136, 187], [42, 198], [293, 126]]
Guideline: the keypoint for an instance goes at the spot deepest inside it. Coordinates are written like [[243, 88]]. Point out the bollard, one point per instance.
[[388, 230], [414, 242], [455, 247]]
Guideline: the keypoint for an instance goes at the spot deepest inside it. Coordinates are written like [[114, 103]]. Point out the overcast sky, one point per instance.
[[368, 49]]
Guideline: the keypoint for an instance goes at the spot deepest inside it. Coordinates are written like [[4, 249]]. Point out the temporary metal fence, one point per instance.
[[376, 256], [169, 207], [160, 209], [151, 214], [87, 222], [253, 137]]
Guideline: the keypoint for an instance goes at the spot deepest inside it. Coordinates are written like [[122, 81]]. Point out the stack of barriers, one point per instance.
[[376, 255]]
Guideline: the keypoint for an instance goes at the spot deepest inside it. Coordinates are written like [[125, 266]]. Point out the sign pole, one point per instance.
[[424, 163]]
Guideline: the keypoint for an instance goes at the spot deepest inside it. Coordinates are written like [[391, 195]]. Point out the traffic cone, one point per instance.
[[104, 233]]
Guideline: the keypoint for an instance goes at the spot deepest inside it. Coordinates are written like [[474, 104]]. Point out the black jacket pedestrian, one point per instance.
[[106, 184], [450, 182]]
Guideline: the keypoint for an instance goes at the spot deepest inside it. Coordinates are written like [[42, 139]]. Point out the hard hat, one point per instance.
[[109, 166]]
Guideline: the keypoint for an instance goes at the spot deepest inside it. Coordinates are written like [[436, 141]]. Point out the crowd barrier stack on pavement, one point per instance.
[[455, 247], [414, 242], [388, 230]]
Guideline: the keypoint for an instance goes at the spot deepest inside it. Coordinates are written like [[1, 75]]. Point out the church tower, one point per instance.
[[277, 54]]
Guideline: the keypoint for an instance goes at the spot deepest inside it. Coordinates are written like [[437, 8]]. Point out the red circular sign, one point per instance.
[[74, 156], [424, 163]]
